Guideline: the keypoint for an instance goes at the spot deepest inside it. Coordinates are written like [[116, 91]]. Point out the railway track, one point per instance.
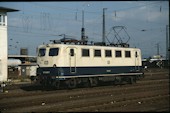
[[148, 76], [145, 95], [40, 91]]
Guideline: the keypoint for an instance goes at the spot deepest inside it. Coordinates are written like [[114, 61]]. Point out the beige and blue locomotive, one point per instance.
[[77, 64]]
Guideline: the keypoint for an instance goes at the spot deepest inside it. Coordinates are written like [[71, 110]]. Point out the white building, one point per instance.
[[4, 43]]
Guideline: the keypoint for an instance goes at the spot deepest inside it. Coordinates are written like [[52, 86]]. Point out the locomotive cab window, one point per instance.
[[41, 52], [118, 53], [53, 51], [127, 54], [97, 53], [85, 53], [108, 53]]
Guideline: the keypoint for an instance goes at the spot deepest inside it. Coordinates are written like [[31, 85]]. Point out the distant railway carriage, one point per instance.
[[75, 64]]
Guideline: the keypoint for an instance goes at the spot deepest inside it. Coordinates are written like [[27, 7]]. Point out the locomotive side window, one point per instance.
[[97, 53], [71, 52], [41, 52], [118, 53], [136, 54], [53, 51], [108, 53], [127, 54], [85, 52]]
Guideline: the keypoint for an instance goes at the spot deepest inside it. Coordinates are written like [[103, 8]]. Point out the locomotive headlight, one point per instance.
[[108, 62], [46, 62]]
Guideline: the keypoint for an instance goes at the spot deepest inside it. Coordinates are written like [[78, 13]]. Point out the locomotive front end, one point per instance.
[[48, 60]]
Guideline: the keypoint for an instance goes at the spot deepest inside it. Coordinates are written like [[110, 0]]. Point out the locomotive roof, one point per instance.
[[78, 45]]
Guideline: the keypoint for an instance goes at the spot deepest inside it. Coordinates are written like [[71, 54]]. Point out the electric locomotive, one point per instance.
[[73, 62]]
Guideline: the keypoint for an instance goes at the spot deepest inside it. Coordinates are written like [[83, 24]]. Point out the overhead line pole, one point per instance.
[[103, 37], [168, 51], [83, 29], [167, 42], [157, 48]]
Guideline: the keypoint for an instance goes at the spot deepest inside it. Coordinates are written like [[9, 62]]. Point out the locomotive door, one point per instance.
[[72, 60], [136, 60]]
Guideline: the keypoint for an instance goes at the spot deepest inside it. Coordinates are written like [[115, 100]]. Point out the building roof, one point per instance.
[[28, 64], [24, 56], [5, 9]]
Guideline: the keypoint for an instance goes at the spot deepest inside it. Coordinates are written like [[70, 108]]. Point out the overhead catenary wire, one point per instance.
[[53, 17], [96, 12], [35, 32], [100, 12], [19, 29]]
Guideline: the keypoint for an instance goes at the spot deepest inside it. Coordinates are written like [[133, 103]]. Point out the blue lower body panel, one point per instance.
[[78, 71]]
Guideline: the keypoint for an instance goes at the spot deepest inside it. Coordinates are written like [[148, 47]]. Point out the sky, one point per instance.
[[39, 22]]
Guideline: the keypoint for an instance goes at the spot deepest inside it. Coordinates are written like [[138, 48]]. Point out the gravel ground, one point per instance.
[[147, 95]]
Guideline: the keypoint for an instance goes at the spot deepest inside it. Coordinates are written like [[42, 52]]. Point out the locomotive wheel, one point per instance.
[[71, 83], [56, 84], [93, 81], [118, 80], [132, 80], [87, 83], [137, 77]]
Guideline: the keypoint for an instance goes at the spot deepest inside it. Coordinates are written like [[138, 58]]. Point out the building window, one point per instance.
[[2, 20], [108, 53], [127, 54], [118, 53], [85, 52], [97, 53], [53, 51]]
